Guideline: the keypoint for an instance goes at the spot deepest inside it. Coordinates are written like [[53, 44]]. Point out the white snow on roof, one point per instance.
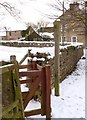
[[50, 35], [2, 33]]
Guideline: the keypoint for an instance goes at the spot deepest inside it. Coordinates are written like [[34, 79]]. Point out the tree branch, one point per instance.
[[10, 9]]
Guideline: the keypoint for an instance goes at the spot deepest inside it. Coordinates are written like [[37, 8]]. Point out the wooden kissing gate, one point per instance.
[[35, 76]]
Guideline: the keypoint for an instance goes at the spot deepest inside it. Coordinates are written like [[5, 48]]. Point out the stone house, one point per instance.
[[72, 24], [28, 34], [17, 34], [11, 35]]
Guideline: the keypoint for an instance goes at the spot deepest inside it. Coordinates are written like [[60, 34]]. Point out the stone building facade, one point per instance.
[[72, 24], [13, 35]]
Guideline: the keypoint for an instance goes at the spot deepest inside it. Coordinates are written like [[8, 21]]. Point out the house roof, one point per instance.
[[46, 29], [34, 35]]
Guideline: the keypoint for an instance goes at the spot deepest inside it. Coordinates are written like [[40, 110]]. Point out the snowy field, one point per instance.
[[6, 52], [71, 102]]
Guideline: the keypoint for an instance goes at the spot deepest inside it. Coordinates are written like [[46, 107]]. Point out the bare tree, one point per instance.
[[38, 25], [10, 9], [42, 23]]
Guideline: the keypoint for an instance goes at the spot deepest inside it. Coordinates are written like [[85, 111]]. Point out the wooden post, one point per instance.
[[63, 24], [43, 90], [57, 38], [16, 84], [48, 91], [1, 92], [86, 81], [86, 24], [12, 58]]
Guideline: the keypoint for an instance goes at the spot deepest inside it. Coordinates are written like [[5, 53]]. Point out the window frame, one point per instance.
[[72, 40], [65, 38]]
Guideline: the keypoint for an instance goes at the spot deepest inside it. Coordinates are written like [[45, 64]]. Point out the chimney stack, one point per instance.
[[74, 6]]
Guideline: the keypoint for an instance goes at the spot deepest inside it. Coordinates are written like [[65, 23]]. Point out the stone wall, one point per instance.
[[68, 60], [28, 44]]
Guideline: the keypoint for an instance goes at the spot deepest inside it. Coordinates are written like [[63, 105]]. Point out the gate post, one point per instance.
[[48, 91], [57, 37], [45, 92], [16, 85]]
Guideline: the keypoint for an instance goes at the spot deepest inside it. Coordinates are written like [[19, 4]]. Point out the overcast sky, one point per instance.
[[32, 11]]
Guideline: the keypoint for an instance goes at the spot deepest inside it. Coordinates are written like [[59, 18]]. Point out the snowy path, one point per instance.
[[71, 103]]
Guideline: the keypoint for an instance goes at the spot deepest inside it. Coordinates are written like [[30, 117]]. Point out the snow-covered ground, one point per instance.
[[6, 52], [71, 102]]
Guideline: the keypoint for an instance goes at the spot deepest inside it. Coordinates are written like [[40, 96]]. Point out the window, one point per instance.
[[74, 39], [65, 39]]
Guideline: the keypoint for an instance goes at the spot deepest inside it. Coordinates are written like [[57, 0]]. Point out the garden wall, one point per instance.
[[68, 60], [28, 44]]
